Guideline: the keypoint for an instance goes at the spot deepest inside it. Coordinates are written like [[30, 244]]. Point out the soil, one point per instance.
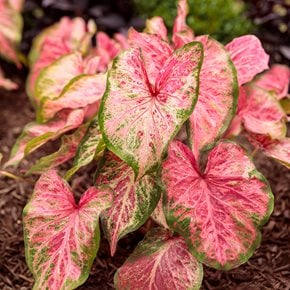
[[269, 268]]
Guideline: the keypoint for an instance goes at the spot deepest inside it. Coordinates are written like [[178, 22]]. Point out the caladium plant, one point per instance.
[[10, 36], [126, 100]]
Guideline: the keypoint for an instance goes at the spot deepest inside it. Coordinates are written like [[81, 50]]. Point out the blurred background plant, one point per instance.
[[272, 17], [223, 19]]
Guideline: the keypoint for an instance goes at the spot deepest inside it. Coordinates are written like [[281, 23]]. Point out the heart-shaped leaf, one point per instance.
[[276, 80], [67, 150], [262, 113], [133, 201], [62, 237], [218, 92], [35, 135], [160, 261], [148, 115], [218, 211], [91, 147], [80, 92], [248, 56]]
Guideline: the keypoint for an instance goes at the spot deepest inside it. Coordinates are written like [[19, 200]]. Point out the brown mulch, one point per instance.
[[269, 268]]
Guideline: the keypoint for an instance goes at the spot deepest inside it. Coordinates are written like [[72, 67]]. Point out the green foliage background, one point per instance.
[[222, 19]]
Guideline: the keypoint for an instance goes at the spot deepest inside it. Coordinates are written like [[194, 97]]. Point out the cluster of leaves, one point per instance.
[[124, 103], [10, 36], [222, 19]]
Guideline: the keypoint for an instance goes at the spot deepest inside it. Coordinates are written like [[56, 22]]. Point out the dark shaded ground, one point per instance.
[[269, 268]]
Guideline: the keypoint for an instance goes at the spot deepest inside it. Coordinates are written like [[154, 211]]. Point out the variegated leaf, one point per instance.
[[219, 211], [62, 237], [160, 261], [158, 215], [62, 38], [67, 150], [91, 147], [276, 80], [182, 33], [276, 149], [262, 113], [57, 75], [148, 115], [35, 135], [156, 25], [10, 31], [107, 49], [80, 92], [248, 56], [155, 52], [218, 92], [133, 201]]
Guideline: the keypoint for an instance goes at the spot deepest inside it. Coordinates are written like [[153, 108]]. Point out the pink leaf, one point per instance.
[[67, 150], [64, 37], [182, 33], [248, 57], [108, 48], [158, 215], [218, 211], [90, 148], [276, 149], [35, 135], [276, 80], [80, 92], [262, 113], [10, 31], [17, 5], [160, 261], [155, 52], [62, 237], [57, 75], [148, 115], [216, 103], [133, 201], [156, 26]]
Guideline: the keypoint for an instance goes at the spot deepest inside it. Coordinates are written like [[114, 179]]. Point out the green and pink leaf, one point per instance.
[[148, 115], [79, 92], [219, 211], [216, 104], [160, 261], [35, 135], [133, 201], [67, 150], [276, 80], [261, 113], [62, 237], [90, 148], [248, 56]]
